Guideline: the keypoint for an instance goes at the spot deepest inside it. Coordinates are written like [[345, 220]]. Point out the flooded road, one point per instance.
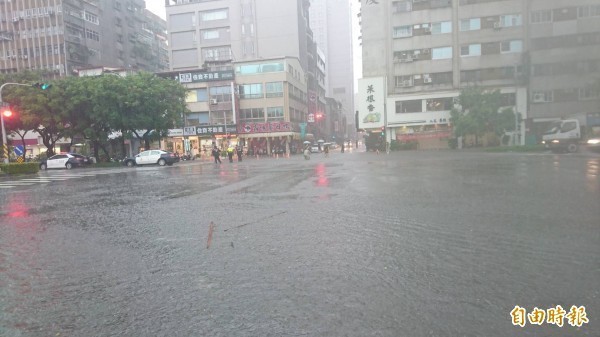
[[357, 244]]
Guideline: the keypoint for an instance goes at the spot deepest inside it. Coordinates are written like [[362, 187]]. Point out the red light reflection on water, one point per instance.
[[322, 180], [17, 207]]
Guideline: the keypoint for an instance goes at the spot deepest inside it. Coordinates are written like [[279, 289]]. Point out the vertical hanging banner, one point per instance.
[[371, 105]]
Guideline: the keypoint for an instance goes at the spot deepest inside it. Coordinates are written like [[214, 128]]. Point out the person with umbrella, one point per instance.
[[306, 150]]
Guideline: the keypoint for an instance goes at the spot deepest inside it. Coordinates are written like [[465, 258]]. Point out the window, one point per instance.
[[221, 94], [257, 114], [248, 29], [275, 113], [588, 93], [541, 16], [402, 31], [470, 50], [514, 46], [441, 27], [214, 15], [409, 106], [217, 54], [512, 20], [470, 24], [259, 68], [251, 90], [90, 17], [404, 81], [197, 95], [210, 34], [274, 89], [542, 96], [441, 53], [92, 35], [587, 11], [439, 104], [402, 6]]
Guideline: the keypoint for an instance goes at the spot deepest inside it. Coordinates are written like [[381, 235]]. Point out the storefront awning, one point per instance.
[[28, 142]]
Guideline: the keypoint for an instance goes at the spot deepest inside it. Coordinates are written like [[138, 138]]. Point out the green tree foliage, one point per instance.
[[479, 112], [94, 107], [151, 105]]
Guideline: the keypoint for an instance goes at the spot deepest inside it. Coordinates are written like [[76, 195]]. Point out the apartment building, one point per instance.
[[427, 50], [268, 47], [62, 36], [330, 21]]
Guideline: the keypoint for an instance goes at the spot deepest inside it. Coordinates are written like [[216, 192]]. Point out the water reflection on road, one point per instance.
[[359, 244]]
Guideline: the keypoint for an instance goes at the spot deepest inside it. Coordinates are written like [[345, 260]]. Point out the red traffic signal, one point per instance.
[[6, 113]]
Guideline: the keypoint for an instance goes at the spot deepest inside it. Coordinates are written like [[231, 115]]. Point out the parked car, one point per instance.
[[65, 160], [150, 157], [314, 148]]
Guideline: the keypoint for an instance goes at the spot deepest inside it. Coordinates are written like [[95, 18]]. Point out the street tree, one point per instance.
[[478, 112], [29, 104], [151, 105]]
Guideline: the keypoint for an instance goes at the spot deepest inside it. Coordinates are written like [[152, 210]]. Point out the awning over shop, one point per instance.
[[28, 142]]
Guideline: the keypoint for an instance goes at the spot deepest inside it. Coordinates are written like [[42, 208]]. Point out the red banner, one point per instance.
[[268, 127]]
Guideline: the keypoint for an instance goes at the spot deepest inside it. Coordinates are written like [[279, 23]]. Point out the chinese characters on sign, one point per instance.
[[215, 130], [371, 102], [265, 127], [205, 76], [557, 315]]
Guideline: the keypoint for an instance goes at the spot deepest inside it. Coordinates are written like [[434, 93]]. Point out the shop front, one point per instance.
[[269, 138], [425, 137], [198, 141]]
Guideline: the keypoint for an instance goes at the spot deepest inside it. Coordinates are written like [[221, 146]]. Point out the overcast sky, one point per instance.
[[157, 7]]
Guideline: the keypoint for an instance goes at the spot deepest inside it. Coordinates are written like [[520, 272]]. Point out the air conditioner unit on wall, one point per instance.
[[427, 80], [213, 101]]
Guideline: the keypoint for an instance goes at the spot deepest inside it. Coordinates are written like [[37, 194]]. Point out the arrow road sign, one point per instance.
[[19, 150]]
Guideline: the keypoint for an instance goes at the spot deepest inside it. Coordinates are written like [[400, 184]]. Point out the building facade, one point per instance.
[[61, 36], [330, 21], [268, 49], [426, 51]]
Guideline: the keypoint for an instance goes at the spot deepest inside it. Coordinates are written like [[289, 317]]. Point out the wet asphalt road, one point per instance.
[[358, 244]]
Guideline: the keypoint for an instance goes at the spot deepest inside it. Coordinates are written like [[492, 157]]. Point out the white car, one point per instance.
[[149, 157], [66, 160]]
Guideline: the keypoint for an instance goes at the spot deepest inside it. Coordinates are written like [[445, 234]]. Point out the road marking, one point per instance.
[[43, 180]]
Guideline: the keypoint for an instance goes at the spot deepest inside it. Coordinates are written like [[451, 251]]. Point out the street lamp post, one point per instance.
[[4, 139]]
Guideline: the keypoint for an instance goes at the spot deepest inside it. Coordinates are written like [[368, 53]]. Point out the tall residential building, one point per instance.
[[331, 23], [541, 54], [66, 35], [250, 66]]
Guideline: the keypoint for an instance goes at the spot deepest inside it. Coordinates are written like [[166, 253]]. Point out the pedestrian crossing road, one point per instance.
[[42, 179]]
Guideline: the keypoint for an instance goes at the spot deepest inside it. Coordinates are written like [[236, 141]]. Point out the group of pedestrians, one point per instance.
[[216, 153]]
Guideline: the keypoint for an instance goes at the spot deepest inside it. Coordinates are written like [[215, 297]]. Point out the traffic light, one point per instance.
[[43, 86], [382, 131], [6, 113]]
